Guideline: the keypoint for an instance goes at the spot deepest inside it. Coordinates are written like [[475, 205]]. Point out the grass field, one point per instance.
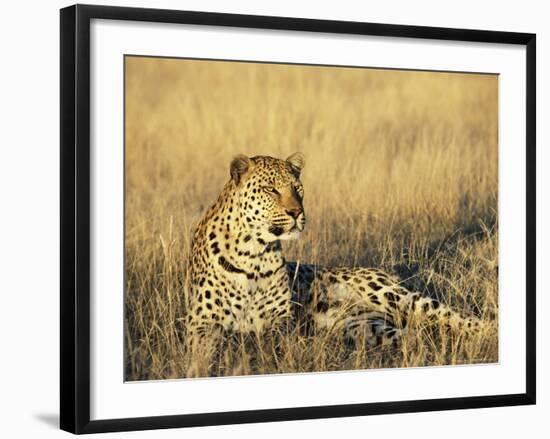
[[401, 173]]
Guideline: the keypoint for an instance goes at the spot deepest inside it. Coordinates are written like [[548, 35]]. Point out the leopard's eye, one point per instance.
[[270, 190]]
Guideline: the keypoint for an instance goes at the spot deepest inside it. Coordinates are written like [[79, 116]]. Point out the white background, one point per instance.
[[30, 204], [112, 398]]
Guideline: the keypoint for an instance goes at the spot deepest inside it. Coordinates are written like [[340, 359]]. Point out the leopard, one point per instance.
[[240, 281]]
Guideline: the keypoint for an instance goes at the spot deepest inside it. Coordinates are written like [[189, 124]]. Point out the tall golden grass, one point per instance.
[[401, 173]]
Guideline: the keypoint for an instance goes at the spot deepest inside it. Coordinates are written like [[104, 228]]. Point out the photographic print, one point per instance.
[[285, 218]]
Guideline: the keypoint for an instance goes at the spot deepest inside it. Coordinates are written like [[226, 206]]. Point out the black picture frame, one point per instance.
[[75, 217]]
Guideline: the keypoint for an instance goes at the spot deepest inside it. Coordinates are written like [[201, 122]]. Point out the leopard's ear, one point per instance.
[[240, 165], [297, 161]]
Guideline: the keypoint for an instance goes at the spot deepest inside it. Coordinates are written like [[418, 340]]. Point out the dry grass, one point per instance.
[[401, 172]]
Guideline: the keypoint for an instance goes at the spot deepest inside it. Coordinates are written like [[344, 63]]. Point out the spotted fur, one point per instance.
[[238, 274], [366, 303], [241, 282]]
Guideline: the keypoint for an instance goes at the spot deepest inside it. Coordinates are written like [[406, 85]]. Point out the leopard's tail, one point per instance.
[[417, 307]]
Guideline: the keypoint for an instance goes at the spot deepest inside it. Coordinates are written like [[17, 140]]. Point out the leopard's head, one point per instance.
[[270, 195]]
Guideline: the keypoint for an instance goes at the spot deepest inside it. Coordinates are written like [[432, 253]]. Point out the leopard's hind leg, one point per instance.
[[341, 308], [372, 332]]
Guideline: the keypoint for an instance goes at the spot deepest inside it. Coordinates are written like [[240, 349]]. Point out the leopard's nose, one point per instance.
[[294, 213]]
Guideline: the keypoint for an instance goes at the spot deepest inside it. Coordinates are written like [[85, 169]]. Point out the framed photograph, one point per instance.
[[268, 218]]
